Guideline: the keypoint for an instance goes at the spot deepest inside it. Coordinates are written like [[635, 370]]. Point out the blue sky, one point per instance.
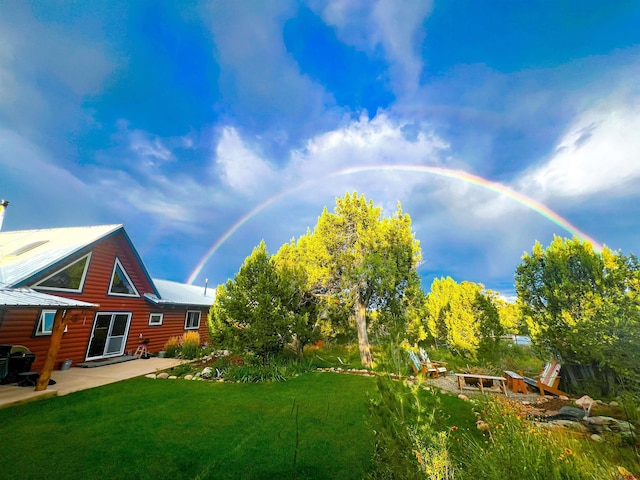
[[177, 119]]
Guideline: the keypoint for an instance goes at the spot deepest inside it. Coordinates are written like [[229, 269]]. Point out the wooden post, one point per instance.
[[54, 345]]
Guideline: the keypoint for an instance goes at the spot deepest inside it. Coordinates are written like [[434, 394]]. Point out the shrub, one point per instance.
[[172, 347], [405, 422], [190, 345], [512, 443]]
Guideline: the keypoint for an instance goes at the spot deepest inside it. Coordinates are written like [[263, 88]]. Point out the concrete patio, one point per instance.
[[75, 379]]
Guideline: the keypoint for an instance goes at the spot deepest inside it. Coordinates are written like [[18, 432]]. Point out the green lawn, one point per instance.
[[154, 429]]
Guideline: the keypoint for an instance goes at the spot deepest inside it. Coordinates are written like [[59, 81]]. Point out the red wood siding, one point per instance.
[[18, 325]]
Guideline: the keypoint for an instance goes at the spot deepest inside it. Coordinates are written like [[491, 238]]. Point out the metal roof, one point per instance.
[[27, 252], [174, 293], [26, 297]]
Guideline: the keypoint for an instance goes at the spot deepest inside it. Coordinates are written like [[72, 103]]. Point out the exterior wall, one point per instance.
[[18, 326], [172, 326]]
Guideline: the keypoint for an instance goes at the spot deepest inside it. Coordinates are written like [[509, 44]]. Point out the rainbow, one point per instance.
[[439, 171]]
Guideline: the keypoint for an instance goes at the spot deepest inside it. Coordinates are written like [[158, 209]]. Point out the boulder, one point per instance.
[[151, 375], [570, 425], [163, 375], [614, 404], [597, 438], [206, 373], [188, 377], [568, 413], [462, 396], [172, 377]]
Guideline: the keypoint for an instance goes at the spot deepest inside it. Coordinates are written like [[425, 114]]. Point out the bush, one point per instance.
[[405, 422], [512, 443], [190, 345], [172, 347]]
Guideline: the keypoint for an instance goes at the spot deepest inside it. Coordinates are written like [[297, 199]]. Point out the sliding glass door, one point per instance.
[[109, 335]]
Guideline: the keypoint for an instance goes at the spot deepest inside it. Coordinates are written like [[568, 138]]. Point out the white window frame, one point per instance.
[[40, 331], [158, 322], [38, 285], [117, 264], [188, 316]]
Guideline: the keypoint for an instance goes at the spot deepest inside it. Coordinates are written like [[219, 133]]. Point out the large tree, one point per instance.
[[581, 305], [262, 308], [461, 316], [357, 257]]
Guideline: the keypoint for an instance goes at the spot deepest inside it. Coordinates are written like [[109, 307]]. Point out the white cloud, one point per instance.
[[597, 155], [394, 25], [243, 170], [150, 147]]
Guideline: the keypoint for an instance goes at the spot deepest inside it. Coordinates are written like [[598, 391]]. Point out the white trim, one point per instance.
[[155, 323], [117, 264], [57, 289], [186, 320], [40, 332]]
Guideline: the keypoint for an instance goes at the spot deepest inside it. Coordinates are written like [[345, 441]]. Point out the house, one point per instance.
[[114, 302]]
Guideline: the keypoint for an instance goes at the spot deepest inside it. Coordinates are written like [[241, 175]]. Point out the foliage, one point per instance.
[[261, 310], [405, 430], [357, 258], [190, 345], [582, 306], [461, 316], [512, 443], [172, 347]]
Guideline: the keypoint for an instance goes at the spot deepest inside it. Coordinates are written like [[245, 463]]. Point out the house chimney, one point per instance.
[[3, 207]]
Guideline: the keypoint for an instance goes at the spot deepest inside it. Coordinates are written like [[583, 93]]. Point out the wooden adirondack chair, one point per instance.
[[434, 368], [548, 380]]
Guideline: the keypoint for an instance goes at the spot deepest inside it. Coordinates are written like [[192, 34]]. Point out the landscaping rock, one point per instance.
[[597, 438], [188, 377], [172, 377], [614, 404], [563, 397], [163, 375], [568, 413], [151, 375], [462, 396], [570, 425], [206, 373]]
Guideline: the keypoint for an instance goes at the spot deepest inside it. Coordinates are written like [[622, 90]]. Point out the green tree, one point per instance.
[[461, 316], [582, 306], [356, 257], [260, 309]]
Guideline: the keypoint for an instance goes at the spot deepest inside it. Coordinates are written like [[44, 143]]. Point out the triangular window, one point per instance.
[[68, 279], [121, 284]]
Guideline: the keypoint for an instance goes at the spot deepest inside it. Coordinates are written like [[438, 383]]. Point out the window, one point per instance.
[[68, 279], [121, 284], [45, 322], [193, 320], [155, 319]]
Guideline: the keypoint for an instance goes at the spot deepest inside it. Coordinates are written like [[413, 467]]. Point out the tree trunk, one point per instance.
[[54, 345], [363, 339]]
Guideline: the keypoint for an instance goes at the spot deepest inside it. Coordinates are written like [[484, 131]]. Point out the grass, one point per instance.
[[145, 428]]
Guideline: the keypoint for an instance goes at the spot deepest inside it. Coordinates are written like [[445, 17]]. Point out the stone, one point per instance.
[[563, 397], [570, 413], [599, 402], [597, 438], [163, 375], [601, 420], [584, 401], [570, 425], [206, 373], [526, 402], [462, 396], [614, 404], [188, 377], [172, 377], [151, 375]]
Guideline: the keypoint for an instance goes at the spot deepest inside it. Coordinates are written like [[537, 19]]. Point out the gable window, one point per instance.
[[193, 320], [155, 319], [67, 279], [121, 284], [45, 322]]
